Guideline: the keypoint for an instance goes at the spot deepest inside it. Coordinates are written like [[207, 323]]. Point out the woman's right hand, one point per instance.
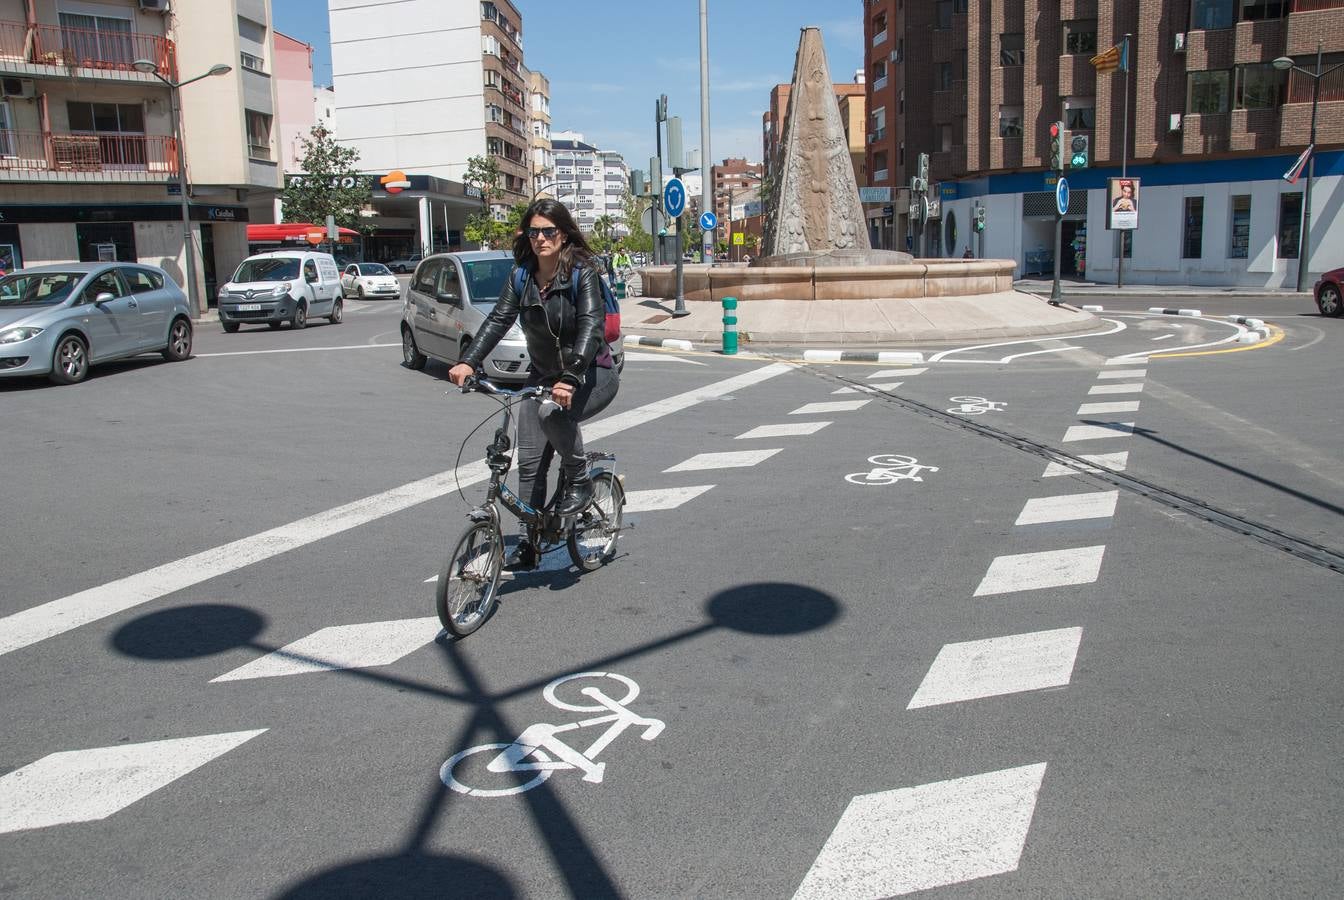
[[459, 373]]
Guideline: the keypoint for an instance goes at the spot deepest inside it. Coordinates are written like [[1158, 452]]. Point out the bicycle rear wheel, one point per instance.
[[592, 540], [469, 582]]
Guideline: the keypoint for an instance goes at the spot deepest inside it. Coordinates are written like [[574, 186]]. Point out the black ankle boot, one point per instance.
[[522, 559], [578, 494]]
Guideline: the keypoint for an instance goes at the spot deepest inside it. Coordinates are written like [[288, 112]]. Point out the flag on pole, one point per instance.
[[1295, 172], [1115, 58]]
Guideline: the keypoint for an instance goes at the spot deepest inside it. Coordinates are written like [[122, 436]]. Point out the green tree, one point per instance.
[[330, 185], [604, 230], [483, 227], [638, 240]]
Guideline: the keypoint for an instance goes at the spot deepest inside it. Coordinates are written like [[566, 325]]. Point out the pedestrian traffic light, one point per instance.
[[924, 170], [1057, 146], [1078, 151], [978, 223]]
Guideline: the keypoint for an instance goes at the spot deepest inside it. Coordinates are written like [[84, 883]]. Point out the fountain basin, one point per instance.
[[768, 281]]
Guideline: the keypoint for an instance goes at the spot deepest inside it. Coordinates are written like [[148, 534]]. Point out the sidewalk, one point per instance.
[[1075, 288]]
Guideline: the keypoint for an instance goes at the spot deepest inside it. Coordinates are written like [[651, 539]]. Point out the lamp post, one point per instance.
[[189, 247], [1285, 64]]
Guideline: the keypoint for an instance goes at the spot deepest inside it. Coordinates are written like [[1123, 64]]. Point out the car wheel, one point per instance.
[[179, 341], [411, 357], [70, 360], [337, 312], [1328, 302], [300, 318], [361, 292], [229, 327]]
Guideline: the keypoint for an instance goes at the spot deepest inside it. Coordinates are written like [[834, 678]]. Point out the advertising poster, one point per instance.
[[1123, 210]]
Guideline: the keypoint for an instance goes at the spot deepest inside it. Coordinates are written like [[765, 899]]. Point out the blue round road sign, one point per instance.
[[708, 221], [1062, 195], [674, 197]]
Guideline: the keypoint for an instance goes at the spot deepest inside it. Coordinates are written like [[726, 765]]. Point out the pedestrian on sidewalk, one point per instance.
[[968, 254]]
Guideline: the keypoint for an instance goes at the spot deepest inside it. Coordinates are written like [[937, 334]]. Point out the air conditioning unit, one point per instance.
[[872, 138], [23, 88], [1174, 122], [158, 6], [895, 55], [1180, 42]]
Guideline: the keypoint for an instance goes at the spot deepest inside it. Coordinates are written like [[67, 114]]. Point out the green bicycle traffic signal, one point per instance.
[[1078, 151]]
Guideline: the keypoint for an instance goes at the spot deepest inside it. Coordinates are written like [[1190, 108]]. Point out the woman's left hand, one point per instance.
[[563, 394]]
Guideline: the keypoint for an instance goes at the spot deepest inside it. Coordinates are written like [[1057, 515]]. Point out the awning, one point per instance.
[[293, 233]]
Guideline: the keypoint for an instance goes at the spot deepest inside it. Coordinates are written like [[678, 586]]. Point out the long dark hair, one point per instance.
[[575, 250]]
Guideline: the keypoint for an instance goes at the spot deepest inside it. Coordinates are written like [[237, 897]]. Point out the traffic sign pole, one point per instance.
[[1061, 207], [674, 204]]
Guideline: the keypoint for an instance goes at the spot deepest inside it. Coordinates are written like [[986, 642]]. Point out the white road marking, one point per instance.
[[898, 373], [997, 666], [897, 842], [1121, 361], [1114, 406], [1097, 432], [938, 357], [88, 785], [830, 407], [1046, 569], [1164, 337], [636, 356], [1124, 373], [732, 459], [293, 350], [868, 388], [1068, 508], [1116, 462], [1127, 388], [358, 646], [1008, 359], [662, 498], [58, 616], [788, 429]]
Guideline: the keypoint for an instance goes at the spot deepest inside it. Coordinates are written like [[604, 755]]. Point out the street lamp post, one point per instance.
[[189, 247], [1284, 64]]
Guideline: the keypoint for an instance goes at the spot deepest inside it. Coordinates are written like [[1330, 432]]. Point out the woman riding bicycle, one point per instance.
[[564, 330]]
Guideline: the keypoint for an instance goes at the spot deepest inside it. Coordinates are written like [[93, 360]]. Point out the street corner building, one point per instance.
[[1182, 96]]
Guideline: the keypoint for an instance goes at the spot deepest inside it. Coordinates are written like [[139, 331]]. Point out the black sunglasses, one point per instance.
[[549, 233]]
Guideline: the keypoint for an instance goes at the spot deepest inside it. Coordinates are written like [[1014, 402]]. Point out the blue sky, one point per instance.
[[607, 67]]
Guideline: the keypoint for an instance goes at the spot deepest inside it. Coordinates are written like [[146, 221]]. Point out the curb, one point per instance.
[[1248, 322], [881, 356], [1174, 312], [635, 340]]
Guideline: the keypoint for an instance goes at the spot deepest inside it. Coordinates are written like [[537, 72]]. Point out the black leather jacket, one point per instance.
[[563, 335]]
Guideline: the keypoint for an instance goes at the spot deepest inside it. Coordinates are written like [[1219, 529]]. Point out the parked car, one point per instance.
[[405, 264], [366, 280], [282, 286], [58, 320], [1329, 289]]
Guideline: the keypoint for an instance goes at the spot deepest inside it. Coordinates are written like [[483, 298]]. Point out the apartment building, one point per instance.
[[852, 98], [88, 158], [1203, 119], [296, 111], [730, 179], [590, 181], [542, 161]]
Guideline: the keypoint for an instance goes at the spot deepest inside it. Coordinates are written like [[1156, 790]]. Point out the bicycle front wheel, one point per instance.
[[592, 540], [468, 585]]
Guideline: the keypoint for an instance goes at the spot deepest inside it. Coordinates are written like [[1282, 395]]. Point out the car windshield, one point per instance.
[[38, 288], [374, 269], [279, 268], [486, 278]]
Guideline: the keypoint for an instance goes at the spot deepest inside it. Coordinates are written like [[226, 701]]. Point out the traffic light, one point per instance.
[[1057, 146], [924, 170], [660, 108], [1078, 151], [978, 223]]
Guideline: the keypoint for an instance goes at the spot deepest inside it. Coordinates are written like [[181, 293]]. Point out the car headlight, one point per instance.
[[14, 335], [280, 289]]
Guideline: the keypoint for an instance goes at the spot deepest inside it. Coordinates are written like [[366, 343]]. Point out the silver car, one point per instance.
[[446, 304], [58, 320]]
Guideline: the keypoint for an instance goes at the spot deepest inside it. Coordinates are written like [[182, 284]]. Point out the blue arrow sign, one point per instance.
[[708, 221], [1062, 195], [674, 197]]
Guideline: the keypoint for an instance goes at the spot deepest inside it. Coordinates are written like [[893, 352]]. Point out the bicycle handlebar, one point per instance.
[[485, 386]]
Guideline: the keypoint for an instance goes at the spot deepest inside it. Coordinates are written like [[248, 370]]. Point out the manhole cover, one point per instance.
[[656, 319]]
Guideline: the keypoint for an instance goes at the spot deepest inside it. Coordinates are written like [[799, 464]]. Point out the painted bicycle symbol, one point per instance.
[[891, 468], [539, 749], [975, 406]]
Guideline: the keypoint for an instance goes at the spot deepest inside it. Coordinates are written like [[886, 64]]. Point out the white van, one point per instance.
[[282, 286]]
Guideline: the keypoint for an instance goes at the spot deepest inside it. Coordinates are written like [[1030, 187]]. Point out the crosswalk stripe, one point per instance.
[[830, 406], [1122, 361], [1097, 432], [733, 459], [1114, 406], [88, 785], [911, 839], [1002, 665], [1116, 462], [787, 429], [1135, 388], [868, 388], [1124, 373], [358, 646], [1046, 569], [898, 373], [662, 498], [1068, 508]]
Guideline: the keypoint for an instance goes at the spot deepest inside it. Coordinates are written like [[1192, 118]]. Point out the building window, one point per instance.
[[1012, 50], [97, 39], [1260, 86], [900, 154], [942, 14], [258, 134], [1193, 245], [879, 29], [1080, 36], [1211, 13], [6, 127], [943, 77], [1208, 92], [1258, 10], [1290, 224], [1010, 121], [944, 138], [1080, 113], [900, 102], [1240, 244], [252, 63]]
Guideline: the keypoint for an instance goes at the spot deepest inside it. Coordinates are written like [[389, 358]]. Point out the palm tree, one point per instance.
[[602, 232]]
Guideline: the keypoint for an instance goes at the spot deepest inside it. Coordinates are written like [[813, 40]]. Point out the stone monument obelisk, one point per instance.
[[816, 205]]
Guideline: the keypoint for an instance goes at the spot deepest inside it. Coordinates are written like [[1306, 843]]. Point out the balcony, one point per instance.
[[87, 158], [53, 51]]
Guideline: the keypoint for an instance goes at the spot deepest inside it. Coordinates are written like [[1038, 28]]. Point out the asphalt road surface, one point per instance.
[[1048, 619]]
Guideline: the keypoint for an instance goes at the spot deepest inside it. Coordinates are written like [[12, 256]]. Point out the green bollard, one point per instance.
[[729, 326], [620, 290]]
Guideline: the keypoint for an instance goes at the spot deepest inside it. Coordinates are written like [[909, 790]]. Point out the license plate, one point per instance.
[[249, 307]]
